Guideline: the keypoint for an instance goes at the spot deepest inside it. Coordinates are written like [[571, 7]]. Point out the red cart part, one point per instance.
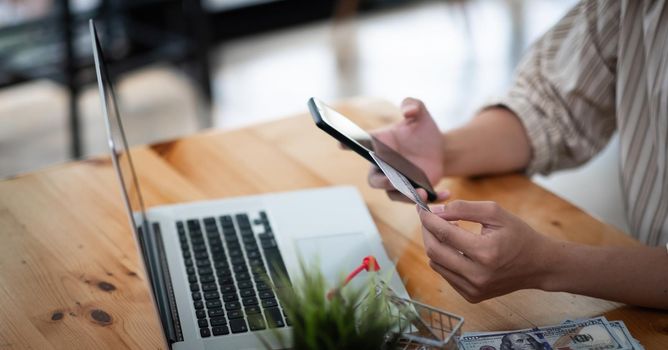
[[369, 263]]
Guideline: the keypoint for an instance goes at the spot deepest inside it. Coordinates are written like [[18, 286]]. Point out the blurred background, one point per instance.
[[182, 66]]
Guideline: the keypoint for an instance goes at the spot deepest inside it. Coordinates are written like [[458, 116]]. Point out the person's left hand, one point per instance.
[[507, 255]]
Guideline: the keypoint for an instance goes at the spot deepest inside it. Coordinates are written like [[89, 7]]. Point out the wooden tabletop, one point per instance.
[[69, 272]]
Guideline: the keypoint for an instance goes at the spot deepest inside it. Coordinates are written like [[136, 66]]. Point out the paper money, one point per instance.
[[595, 333], [400, 182], [624, 336]]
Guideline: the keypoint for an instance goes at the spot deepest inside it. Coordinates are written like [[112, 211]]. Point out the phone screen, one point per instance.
[[360, 141]]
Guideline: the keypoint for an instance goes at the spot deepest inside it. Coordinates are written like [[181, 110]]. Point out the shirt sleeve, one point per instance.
[[564, 88]]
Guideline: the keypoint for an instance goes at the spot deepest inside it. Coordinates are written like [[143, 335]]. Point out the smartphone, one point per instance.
[[358, 140]]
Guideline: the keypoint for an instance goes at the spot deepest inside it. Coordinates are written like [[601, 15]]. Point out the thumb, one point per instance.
[[413, 108]]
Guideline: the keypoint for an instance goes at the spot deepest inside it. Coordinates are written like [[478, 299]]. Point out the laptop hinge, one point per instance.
[[161, 283]]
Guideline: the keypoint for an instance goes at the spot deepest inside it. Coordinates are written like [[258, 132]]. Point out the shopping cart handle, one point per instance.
[[369, 263]]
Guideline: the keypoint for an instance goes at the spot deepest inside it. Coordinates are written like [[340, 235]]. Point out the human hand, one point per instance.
[[418, 139], [506, 256]]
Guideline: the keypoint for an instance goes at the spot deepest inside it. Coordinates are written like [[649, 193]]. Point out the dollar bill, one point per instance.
[[624, 336], [591, 334]]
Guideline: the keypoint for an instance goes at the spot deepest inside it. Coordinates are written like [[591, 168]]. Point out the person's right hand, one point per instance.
[[418, 139]]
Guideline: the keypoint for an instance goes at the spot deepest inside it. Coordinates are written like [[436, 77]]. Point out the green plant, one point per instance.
[[354, 318]]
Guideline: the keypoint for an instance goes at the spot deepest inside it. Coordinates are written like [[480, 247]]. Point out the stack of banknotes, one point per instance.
[[589, 334]]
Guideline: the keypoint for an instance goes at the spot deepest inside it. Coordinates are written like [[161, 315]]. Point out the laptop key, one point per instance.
[[216, 313], [220, 330], [221, 265], [256, 322], [232, 305], [235, 314], [203, 255], [266, 294], [204, 332], [254, 309], [218, 321], [198, 304], [242, 276], [269, 303], [207, 287], [214, 304], [218, 256], [237, 260], [249, 301], [192, 279], [203, 263], [202, 323], [207, 279], [247, 293], [225, 281], [230, 297], [211, 295], [205, 270], [245, 284], [261, 285], [240, 268], [224, 272], [197, 296], [274, 317], [238, 325], [228, 289], [200, 314]]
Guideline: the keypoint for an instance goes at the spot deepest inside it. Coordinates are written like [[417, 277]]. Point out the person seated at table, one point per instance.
[[602, 68]]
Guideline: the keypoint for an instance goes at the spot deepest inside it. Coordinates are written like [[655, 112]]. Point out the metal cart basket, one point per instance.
[[420, 326]]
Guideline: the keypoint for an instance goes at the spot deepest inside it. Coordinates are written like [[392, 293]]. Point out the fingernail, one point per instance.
[[437, 208]]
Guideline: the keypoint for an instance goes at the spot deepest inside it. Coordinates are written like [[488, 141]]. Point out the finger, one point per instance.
[[412, 108], [446, 255], [448, 233], [459, 283], [422, 193], [440, 195], [486, 213], [377, 179]]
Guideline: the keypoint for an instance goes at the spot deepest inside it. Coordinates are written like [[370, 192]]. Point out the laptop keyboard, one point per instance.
[[228, 270]]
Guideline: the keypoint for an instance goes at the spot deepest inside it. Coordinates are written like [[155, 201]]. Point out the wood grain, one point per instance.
[[69, 273]]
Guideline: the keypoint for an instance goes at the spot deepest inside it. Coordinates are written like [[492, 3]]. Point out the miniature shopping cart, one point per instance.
[[420, 326]]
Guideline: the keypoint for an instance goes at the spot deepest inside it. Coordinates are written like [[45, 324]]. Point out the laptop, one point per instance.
[[208, 263]]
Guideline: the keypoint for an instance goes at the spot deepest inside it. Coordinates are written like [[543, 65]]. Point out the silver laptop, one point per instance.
[[208, 262]]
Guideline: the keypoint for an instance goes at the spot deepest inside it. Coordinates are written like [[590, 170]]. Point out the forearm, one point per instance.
[[632, 275], [493, 142]]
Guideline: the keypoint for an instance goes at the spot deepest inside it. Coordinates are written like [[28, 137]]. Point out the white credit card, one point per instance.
[[400, 182]]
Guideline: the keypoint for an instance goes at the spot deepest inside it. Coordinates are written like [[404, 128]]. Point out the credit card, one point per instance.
[[400, 182]]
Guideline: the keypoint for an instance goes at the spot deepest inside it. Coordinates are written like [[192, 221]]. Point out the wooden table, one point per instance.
[[69, 275]]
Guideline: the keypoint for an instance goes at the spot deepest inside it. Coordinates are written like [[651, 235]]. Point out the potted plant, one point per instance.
[[350, 318]]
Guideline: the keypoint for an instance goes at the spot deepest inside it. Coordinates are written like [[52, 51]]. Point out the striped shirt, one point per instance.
[[603, 68]]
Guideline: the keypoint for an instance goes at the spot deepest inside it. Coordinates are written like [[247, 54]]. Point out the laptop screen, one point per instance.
[[117, 140], [147, 237]]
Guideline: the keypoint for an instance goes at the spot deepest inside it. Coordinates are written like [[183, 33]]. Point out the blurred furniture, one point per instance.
[[135, 33], [71, 277]]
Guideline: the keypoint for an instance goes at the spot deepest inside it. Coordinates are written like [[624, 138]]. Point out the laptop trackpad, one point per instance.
[[337, 255]]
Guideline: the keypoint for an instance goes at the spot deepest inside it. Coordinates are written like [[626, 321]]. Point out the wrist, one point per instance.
[[550, 262]]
